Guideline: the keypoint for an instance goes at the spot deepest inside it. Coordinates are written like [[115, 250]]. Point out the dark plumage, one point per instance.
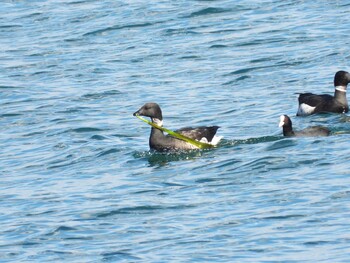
[[310, 103], [160, 142], [286, 123]]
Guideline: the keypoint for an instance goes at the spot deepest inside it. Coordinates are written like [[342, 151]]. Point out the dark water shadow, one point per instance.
[[161, 159], [256, 140], [279, 141]]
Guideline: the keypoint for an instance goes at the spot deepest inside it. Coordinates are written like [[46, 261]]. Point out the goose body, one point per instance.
[[286, 124], [160, 142], [310, 103]]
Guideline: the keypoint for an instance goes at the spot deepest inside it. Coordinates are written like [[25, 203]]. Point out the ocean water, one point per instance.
[[78, 182]]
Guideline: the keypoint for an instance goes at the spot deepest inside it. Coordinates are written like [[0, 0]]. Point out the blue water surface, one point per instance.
[[78, 182]]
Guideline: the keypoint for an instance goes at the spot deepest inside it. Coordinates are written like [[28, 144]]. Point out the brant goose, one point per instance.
[[286, 123], [310, 103], [160, 142]]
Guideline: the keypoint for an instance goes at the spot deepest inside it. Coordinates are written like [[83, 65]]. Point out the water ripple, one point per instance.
[[209, 11], [114, 28], [78, 181]]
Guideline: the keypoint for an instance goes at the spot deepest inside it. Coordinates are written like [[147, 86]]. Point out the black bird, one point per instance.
[[286, 123], [310, 103], [160, 142]]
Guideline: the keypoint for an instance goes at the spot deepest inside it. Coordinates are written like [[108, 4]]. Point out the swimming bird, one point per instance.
[[310, 103], [286, 123], [160, 142]]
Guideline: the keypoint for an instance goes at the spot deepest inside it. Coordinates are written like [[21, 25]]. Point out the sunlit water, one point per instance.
[[78, 183]]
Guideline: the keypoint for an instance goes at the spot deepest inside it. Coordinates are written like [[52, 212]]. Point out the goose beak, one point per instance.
[[138, 113]]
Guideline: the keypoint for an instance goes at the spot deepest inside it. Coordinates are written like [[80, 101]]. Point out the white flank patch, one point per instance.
[[216, 140], [204, 140], [305, 109]]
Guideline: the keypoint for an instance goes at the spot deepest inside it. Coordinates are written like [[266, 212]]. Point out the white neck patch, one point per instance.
[[340, 88], [157, 121]]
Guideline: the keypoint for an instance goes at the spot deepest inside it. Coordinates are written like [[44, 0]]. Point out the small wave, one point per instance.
[[160, 159], [114, 28], [98, 137], [218, 46], [76, 2], [179, 31], [283, 217], [60, 146], [64, 228], [227, 31], [142, 209], [113, 150], [240, 71], [247, 70], [147, 209], [29, 243], [10, 87], [60, 229], [191, 57], [318, 243], [10, 115], [251, 140], [209, 11], [50, 251], [71, 110], [118, 255], [85, 129], [281, 144], [344, 118], [10, 26], [340, 195], [250, 43], [100, 95], [120, 135], [236, 80]]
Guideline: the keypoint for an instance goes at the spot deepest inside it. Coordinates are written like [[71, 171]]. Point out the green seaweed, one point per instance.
[[200, 145]]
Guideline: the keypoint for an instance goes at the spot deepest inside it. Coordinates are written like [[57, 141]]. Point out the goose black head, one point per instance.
[[341, 78], [285, 121], [151, 110]]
